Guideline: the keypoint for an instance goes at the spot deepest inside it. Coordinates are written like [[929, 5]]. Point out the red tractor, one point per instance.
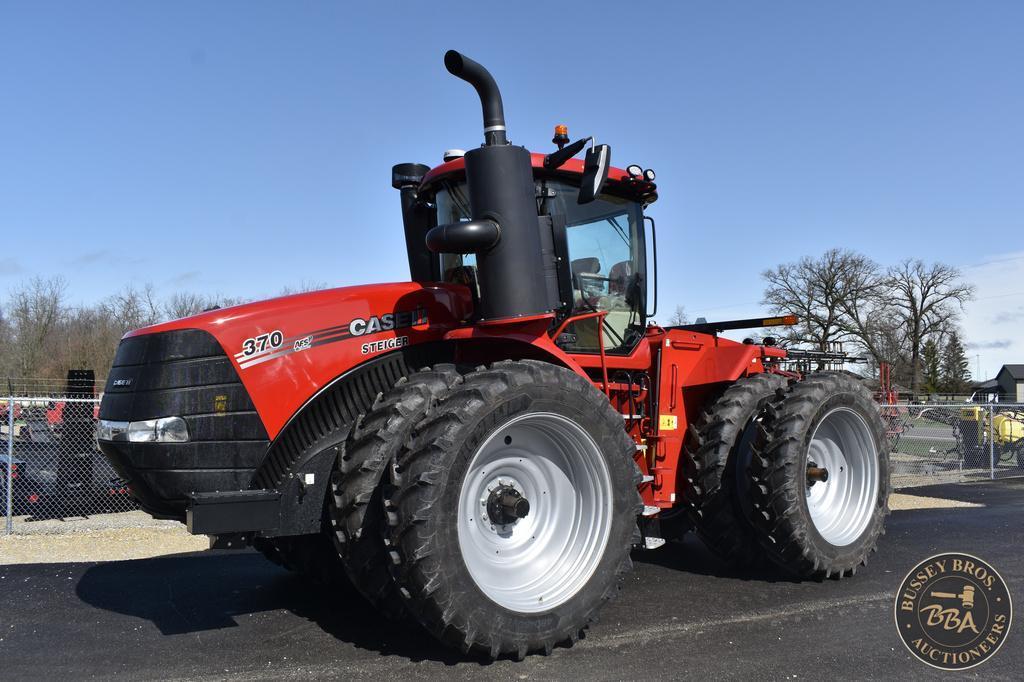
[[480, 448]]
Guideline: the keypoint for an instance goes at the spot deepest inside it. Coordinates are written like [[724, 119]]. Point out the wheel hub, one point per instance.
[[816, 474], [506, 505], [534, 512], [842, 476]]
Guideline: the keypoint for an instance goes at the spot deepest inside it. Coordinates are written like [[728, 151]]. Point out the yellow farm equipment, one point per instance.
[[987, 436]]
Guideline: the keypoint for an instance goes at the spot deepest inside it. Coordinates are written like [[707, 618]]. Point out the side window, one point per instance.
[[601, 261], [452, 207]]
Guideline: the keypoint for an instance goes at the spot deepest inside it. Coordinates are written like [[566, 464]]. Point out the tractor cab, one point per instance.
[[596, 250]]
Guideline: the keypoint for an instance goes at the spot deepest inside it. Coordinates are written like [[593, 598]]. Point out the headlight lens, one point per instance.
[[111, 430], [163, 430]]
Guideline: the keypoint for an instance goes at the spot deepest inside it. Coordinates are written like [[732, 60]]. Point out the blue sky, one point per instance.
[[238, 148]]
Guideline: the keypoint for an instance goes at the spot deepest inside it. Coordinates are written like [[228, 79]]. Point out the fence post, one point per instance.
[[10, 460], [991, 443]]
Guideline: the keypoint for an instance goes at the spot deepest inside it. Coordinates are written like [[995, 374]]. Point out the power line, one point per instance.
[[1014, 293], [992, 262]]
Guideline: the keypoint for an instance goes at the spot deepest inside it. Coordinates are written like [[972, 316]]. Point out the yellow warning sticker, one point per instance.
[[668, 422]]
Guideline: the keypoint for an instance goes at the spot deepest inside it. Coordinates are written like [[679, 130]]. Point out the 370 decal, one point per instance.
[[272, 345], [261, 343]]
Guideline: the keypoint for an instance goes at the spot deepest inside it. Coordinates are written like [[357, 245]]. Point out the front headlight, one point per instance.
[[163, 430], [111, 430]]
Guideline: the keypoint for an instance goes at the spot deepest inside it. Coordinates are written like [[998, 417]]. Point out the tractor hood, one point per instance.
[[310, 339]]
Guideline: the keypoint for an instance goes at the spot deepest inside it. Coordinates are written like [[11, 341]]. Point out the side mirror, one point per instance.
[[595, 172]]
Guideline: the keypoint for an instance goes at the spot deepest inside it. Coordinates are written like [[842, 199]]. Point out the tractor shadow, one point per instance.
[[690, 555], [201, 592]]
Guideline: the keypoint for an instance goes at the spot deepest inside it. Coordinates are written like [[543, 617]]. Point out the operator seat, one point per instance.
[[618, 278], [586, 266], [586, 330], [621, 292]]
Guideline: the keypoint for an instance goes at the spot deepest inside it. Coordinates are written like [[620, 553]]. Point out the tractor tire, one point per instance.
[[719, 451], [312, 556], [813, 527], [512, 513], [355, 503]]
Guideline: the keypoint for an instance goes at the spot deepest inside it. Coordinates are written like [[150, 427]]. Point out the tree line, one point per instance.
[[906, 315], [42, 335]]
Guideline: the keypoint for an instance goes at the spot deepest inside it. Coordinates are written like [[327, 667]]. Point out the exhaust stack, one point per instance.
[[481, 79], [510, 260]]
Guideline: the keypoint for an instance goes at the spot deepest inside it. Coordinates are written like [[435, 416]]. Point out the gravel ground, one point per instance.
[[902, 501], [104, 537], [25, 525]]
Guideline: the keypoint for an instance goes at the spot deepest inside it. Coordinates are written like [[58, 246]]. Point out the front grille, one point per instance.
[[182, 373]]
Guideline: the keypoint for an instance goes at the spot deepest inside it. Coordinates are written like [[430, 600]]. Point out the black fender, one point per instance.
[[300, 460]]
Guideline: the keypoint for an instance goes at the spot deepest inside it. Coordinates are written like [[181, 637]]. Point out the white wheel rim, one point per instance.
[[544, 558], [842, 506]]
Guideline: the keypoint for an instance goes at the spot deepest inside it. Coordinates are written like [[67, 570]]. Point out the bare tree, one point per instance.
[[678, 317], [36, 310], [6, 342], [928, 300], [89, 338], [185, 304], [304, 286], [132, 308], [820, 292]]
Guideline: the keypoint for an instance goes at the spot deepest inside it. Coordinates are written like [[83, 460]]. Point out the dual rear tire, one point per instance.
[[791, 472], [719, 448], [820, 476]]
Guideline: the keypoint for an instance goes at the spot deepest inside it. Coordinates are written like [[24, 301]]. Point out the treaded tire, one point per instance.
[[312, 556], [719, 449], [778, 473], [423, 509], [355, 503]]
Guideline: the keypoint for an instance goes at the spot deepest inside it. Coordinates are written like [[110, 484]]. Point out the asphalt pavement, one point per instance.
[[234, 615]]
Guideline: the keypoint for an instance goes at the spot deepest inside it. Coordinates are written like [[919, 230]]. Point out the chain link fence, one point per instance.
[[50, 466], [954, 442]]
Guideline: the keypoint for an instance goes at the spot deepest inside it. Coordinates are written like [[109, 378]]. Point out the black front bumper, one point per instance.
[[184, 374]]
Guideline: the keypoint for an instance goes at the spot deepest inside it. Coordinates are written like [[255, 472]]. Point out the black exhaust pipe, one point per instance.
[[480, 78], [505, 229]]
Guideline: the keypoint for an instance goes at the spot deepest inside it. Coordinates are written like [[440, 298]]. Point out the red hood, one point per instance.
[[311, 339]]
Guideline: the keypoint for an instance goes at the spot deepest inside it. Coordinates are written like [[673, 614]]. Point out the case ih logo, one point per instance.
[[272, 345], [387, 322]]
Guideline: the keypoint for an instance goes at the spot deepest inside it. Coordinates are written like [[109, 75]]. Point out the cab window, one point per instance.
[[452, 202], [605, 247], [606, 269]]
